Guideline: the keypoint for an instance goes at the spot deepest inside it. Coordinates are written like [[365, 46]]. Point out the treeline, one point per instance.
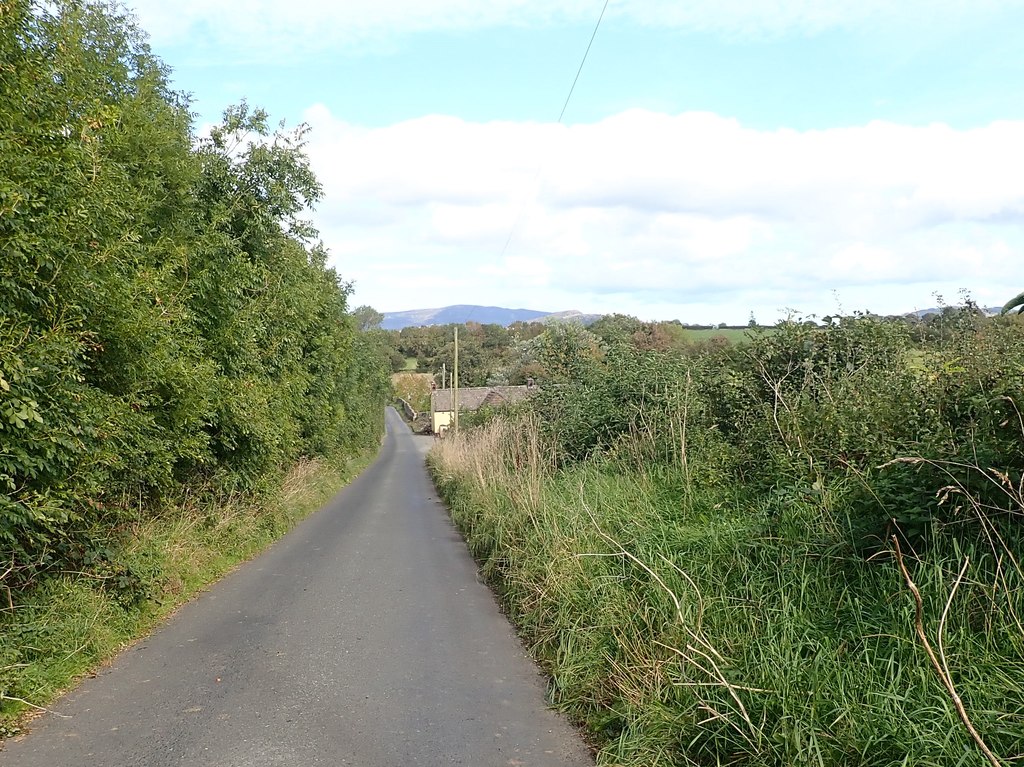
[[492, 354], [168, 324], [804, 549]]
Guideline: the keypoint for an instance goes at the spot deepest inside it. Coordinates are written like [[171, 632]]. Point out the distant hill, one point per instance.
[[990, 311], [571, 316], [485, 315]]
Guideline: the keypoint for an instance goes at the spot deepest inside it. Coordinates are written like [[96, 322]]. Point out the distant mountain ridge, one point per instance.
[[499, 315], [990, 311], [485, 315]]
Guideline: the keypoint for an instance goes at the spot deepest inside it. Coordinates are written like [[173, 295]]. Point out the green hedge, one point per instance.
[[168, 323]]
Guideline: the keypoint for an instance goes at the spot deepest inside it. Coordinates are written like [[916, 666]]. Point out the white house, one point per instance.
[[472, 398]]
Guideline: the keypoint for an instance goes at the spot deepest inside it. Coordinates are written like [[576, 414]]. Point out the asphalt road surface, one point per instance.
[[362, 638]]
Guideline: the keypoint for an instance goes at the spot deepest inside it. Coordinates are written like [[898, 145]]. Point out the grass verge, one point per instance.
[[701, 625], [69, 623]]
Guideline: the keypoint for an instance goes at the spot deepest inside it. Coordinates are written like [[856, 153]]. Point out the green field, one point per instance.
[[733, 335]]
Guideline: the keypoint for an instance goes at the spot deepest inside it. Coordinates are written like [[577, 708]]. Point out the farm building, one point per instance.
[[472, 398]]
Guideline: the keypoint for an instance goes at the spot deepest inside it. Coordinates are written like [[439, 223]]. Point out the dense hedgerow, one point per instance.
[[712, 554], [167, 322]]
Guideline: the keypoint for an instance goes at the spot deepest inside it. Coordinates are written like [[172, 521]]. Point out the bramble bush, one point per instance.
[[850, 401], [805, 404]]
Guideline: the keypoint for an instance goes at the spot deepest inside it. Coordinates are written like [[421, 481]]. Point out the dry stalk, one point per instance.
[[996, 542], [717, 673], [945, 616], [7, 589], [941, 666], [717, 715], [696, 591], [683, 453], [776, 387], [993, 476], [5, 696], [709, 654]]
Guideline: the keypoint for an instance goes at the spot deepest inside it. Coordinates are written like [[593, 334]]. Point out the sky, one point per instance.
[[717, 159]]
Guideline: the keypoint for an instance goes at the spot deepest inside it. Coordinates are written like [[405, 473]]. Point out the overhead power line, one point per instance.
[[515, 225], [568, 98], [583, 61]]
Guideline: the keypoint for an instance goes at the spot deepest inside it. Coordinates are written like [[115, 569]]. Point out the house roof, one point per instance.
[[476, 397]]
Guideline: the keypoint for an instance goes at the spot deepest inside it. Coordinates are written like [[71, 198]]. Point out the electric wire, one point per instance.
[[561, 115], [583, 61]]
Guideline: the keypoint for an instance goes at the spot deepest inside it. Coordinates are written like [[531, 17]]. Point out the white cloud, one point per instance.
[[310, 25], [643, 211]]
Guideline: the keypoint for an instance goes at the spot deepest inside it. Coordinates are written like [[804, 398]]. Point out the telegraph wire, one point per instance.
[[584, 61], [522, 209], [561, 115]]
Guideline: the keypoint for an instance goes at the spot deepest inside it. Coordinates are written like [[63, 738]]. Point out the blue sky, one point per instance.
[[715, 158]]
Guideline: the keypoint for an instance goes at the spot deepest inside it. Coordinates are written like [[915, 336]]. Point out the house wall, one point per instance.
[[441, 420]]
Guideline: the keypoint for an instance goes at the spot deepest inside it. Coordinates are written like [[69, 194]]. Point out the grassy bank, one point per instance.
[[716, 585], [700, 628], [66, 624]]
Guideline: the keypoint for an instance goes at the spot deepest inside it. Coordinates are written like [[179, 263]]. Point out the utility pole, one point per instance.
[[455, 384], [444, 375]]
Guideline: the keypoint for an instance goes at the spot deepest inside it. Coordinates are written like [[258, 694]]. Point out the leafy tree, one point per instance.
[[166, 317], [567, 352], [616, 328], [367, 318], [93, 343]]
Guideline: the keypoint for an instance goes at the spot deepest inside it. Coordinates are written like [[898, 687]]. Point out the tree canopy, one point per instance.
[[167, 318]]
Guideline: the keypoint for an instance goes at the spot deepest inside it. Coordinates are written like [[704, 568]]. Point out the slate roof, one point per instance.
[[476, 397]]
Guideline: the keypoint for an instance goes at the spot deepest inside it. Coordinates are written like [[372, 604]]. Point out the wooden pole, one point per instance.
[[455, 384]]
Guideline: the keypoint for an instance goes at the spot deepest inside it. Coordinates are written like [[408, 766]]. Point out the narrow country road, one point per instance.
[[362, 638]]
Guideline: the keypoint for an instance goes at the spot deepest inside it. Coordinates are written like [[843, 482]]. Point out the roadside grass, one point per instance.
[[67, 624], [703, 625]]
